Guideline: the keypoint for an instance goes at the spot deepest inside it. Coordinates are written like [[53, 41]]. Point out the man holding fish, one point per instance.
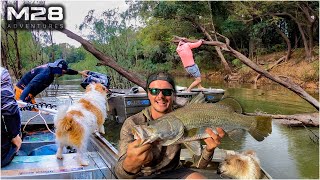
[[140, 157]]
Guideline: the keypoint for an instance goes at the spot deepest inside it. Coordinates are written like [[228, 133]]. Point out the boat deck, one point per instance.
[[48, 166]]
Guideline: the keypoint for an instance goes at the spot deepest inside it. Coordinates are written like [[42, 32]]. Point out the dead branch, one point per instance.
[[307, 119], [268, 69]]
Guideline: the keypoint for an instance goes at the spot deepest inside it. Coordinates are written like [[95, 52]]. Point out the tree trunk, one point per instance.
[[307, 119], [276, 63], [305, 42], [223, 60], [305, 32], [4, 57], [286, 39], [104, 59], [18, 59]]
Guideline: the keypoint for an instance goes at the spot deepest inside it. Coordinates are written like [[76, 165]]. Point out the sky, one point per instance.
[[75, 11]]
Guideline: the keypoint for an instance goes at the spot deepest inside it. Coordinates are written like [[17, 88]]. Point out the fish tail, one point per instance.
[[262, 128]]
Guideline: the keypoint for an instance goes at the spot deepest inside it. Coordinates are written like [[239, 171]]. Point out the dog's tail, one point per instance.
[[63, 121]]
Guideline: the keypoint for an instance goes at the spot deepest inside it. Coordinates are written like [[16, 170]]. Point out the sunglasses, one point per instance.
[[156, 91]]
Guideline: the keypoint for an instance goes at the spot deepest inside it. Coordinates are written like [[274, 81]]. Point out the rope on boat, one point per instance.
[[45, 122]]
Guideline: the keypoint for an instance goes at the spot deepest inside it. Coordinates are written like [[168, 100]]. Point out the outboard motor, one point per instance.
[[97, 78]]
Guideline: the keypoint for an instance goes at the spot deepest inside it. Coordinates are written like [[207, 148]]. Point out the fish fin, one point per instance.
[[236, 134], [262, 129], [194, 147], [231, 103], [198, 99]]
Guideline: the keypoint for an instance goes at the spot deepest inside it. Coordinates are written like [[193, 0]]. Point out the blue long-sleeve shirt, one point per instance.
[[38, 79], [9, 106]]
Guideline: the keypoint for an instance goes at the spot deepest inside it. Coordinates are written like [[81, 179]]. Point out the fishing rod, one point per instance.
[[24, 105]]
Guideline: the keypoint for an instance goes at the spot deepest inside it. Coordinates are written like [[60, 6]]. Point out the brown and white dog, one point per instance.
[[245, 165], [75, 123]]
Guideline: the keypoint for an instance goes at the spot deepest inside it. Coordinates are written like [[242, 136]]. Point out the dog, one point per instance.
[[75, 123], [245, 165]]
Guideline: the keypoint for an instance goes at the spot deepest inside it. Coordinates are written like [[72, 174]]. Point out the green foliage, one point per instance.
[[237, 63], [278, 48], [148, 66], [30, 52]]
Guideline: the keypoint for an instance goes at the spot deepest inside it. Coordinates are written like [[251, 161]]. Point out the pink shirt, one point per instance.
[[185, 53]]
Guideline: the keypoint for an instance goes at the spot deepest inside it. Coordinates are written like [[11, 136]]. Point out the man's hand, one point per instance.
[[17, 141], [137, 156], [215, 139], [84, 73]]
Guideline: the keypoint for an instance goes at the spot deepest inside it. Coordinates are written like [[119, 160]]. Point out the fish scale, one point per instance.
[[205, 115]]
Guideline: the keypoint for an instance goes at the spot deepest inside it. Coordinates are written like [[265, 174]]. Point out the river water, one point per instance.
[[288, 153]]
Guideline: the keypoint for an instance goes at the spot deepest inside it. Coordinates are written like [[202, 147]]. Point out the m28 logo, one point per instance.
[[35, 17]]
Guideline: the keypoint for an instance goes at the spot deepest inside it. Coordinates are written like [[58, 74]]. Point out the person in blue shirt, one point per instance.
[[10, 120], [39, 78]]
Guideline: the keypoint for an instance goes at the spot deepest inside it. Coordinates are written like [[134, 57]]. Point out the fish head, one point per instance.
[[166, 131]]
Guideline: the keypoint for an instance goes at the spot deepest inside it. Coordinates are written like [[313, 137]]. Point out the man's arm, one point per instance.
[[196, 44], [207, 153], [131, 155], [74, 72]]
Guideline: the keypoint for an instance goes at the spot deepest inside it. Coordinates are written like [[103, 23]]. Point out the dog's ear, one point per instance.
[[100, 88], [239, 162]]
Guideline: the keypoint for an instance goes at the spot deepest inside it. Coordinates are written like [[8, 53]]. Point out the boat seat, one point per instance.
[[49, 167]]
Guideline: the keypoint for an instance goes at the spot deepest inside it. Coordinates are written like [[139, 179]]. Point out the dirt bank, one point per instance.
[[304, 73]]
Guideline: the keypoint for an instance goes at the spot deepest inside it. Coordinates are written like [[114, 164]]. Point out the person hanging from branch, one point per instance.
[[184, 50]]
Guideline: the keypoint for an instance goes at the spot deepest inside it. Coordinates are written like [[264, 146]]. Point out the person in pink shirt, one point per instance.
[[185, 53]]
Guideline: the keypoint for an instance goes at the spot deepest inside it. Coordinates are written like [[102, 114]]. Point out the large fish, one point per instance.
[[188, 124]]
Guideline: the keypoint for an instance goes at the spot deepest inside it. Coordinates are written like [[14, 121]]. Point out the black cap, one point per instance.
[[63, 64], [60, 63], [161, 76]]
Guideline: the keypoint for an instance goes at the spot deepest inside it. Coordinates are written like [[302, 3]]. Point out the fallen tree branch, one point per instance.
[[268, 69], [104, 59], [307, 119]]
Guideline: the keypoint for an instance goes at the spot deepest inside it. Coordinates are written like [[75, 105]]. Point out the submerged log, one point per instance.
[[305, 119]]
